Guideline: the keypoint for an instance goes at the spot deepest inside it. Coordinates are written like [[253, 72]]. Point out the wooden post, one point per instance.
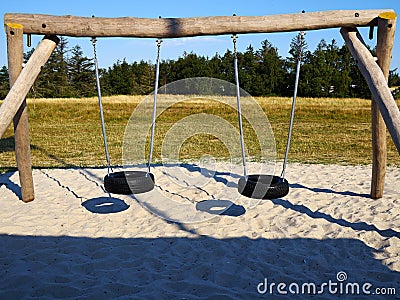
[[386, 32], [15, 51], [25, 80], [376, 82]]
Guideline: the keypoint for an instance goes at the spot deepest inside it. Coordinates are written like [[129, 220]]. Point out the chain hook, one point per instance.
[[234, 38], [302, 38], [159, 40], [94, 40]]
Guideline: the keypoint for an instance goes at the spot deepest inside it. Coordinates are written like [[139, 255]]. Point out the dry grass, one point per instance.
[[67, 132]]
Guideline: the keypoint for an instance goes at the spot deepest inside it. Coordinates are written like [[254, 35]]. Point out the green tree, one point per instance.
[[166, 72], [144, 77], [250, 80], [298, 50], [187, 66], [53, 79], [339, 70], [118, 79], [323, 73], [394, 81], [81, 74], [190, 65], [359, 87], [215, 67], [4, 82], [394, 78], [270, 70], [320, 80], [226, 67]]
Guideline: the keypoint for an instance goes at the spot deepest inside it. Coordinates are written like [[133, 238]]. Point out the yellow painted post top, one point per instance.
[[15, 25], [390, 15]]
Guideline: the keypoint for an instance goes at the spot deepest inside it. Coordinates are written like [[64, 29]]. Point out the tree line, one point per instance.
[[327, 71]]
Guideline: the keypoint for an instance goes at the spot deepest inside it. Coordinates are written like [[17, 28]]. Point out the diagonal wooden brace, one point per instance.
[[376, 81], [25, 80]]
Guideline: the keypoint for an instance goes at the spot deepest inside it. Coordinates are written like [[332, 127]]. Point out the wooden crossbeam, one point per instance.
[[184, 27]]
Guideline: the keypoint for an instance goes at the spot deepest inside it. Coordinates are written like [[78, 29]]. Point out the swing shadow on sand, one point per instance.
[[105, 205], [211, 206], [221, 207], [108, 205]]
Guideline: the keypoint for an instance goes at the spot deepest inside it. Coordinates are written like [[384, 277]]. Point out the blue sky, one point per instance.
[[133, 49]]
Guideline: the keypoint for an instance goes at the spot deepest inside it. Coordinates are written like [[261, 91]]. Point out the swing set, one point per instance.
[[260, 186]]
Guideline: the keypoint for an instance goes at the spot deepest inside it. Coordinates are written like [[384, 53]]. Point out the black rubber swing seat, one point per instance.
[[129, 182], [263, 186]]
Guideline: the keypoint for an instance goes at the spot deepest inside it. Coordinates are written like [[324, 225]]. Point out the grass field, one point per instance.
[[67, 132]]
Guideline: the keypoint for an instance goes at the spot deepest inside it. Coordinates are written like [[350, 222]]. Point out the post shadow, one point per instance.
[[320, 215], [10, 185], [328, 191]]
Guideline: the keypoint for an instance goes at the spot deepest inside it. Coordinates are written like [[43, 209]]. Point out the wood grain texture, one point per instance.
[[184, 27], [15, 51], [384, 49]]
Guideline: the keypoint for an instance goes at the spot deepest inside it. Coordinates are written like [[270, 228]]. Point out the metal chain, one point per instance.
[[103, 126], [235, 66], [153, 123], [302, 37], [296, 84]]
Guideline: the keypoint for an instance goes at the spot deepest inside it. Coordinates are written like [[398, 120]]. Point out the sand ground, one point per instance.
[[74, 242]]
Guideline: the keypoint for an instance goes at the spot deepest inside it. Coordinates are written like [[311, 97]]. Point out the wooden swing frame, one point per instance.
[[384, 109]]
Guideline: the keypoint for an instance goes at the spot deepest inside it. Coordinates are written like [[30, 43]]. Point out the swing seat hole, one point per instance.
[[129, 182], [263, 186]]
